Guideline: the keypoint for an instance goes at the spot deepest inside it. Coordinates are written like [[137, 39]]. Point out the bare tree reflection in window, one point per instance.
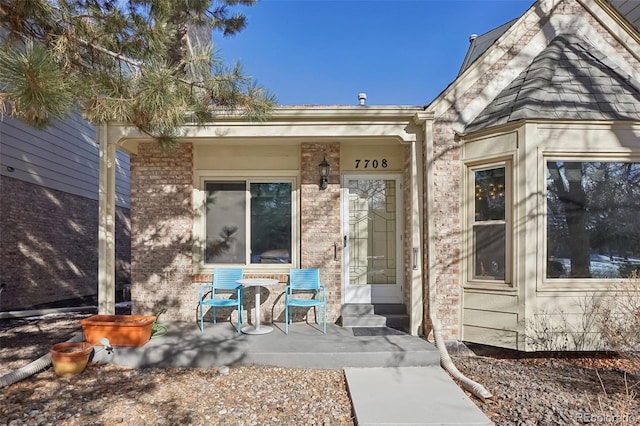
[[593, 226]]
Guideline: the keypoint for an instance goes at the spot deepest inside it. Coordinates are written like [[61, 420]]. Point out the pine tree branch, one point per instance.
[[127, 63]]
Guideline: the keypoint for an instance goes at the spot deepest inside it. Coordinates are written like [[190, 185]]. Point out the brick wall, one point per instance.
[[49, 246], [447, 227], [162, 227], [162, 224], [320, 220]]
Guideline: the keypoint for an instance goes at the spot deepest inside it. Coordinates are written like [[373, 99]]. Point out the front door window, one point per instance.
[[372, 240]]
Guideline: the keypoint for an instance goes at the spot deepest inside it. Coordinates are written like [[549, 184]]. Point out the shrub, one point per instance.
[[620, 318]]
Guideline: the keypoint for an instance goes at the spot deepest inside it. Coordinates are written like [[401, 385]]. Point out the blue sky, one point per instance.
[[324, 52]]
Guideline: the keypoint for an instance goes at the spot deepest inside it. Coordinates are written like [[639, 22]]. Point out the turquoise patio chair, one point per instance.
[[305, 281], [224, 284]]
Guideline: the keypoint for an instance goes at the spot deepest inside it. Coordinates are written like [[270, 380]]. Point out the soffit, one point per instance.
[[630, 10], [570, 79]]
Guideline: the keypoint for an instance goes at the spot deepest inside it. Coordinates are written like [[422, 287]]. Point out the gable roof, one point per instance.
[[478, 44], [569, 79], [628, 9]]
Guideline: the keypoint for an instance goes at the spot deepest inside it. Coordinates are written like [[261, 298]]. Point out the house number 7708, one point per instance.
[[372, 164]]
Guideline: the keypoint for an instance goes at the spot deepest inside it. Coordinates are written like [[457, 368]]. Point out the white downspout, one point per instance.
[[426, 119]]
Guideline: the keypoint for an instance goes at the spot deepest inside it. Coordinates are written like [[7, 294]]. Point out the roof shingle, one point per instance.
[[568, 80]]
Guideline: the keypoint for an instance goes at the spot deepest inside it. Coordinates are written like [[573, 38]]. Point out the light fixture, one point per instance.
[[324, 173]]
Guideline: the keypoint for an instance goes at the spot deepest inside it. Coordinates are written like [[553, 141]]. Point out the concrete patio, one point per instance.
[[305, 346]]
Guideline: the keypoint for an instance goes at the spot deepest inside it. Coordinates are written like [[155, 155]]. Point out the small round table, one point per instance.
[[257, 328]]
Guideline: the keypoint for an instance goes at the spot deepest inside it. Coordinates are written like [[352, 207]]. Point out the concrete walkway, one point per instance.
[[393, 379], [410, 396]]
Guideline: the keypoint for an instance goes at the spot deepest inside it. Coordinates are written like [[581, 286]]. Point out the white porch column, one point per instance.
[[423, 160], [106, 224], [417, 298]]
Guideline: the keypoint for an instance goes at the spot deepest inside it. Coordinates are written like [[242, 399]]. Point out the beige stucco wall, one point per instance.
[[238, 157]]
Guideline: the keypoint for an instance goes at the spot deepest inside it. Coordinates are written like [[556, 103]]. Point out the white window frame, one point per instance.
[[249, 176], [471, 280]]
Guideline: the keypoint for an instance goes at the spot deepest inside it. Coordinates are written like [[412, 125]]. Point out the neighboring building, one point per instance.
[[487, 209], [49, 215]]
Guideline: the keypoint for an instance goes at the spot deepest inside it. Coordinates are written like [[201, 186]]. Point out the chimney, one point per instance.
[[362, 97]]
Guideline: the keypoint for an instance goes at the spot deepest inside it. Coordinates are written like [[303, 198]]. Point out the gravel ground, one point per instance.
[[553, 389], [114, 395]]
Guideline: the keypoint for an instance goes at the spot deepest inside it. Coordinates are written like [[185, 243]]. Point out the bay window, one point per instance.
[[593, 220]]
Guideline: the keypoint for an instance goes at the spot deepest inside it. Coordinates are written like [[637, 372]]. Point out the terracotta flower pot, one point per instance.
[[70, 358], [120, 330]]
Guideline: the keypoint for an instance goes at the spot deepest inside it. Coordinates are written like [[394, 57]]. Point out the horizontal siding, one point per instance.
[[486, 336], [491, 302], [490, 319], [63, 157], [568, 321]]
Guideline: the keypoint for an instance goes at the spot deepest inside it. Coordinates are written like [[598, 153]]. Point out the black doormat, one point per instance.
[[376, 331]]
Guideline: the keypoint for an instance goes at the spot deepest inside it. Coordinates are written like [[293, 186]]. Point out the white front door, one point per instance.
[[372, 226]]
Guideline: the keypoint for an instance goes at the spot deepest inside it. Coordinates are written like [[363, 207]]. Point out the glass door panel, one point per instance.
[[372, 240]]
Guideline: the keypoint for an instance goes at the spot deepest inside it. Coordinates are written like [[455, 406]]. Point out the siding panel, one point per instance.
[[491, 302], [500, 338], [488, 319], [63, 157], [491, 319]]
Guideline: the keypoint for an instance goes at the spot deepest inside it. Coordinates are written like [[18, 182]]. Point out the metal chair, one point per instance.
[[305, 281], [224, 282]]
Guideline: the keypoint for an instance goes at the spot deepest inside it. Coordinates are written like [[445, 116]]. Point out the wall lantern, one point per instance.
[[324, 173]]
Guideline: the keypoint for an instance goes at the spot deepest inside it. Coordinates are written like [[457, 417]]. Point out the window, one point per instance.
[[593, 220], [489, 230], [248, 221]]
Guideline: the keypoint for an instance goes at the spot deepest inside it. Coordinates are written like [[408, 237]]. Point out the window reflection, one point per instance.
[[226, 233], [267, 209], [271, 223], [489, 194], [489, 224], [593, 225], [490, 251]]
